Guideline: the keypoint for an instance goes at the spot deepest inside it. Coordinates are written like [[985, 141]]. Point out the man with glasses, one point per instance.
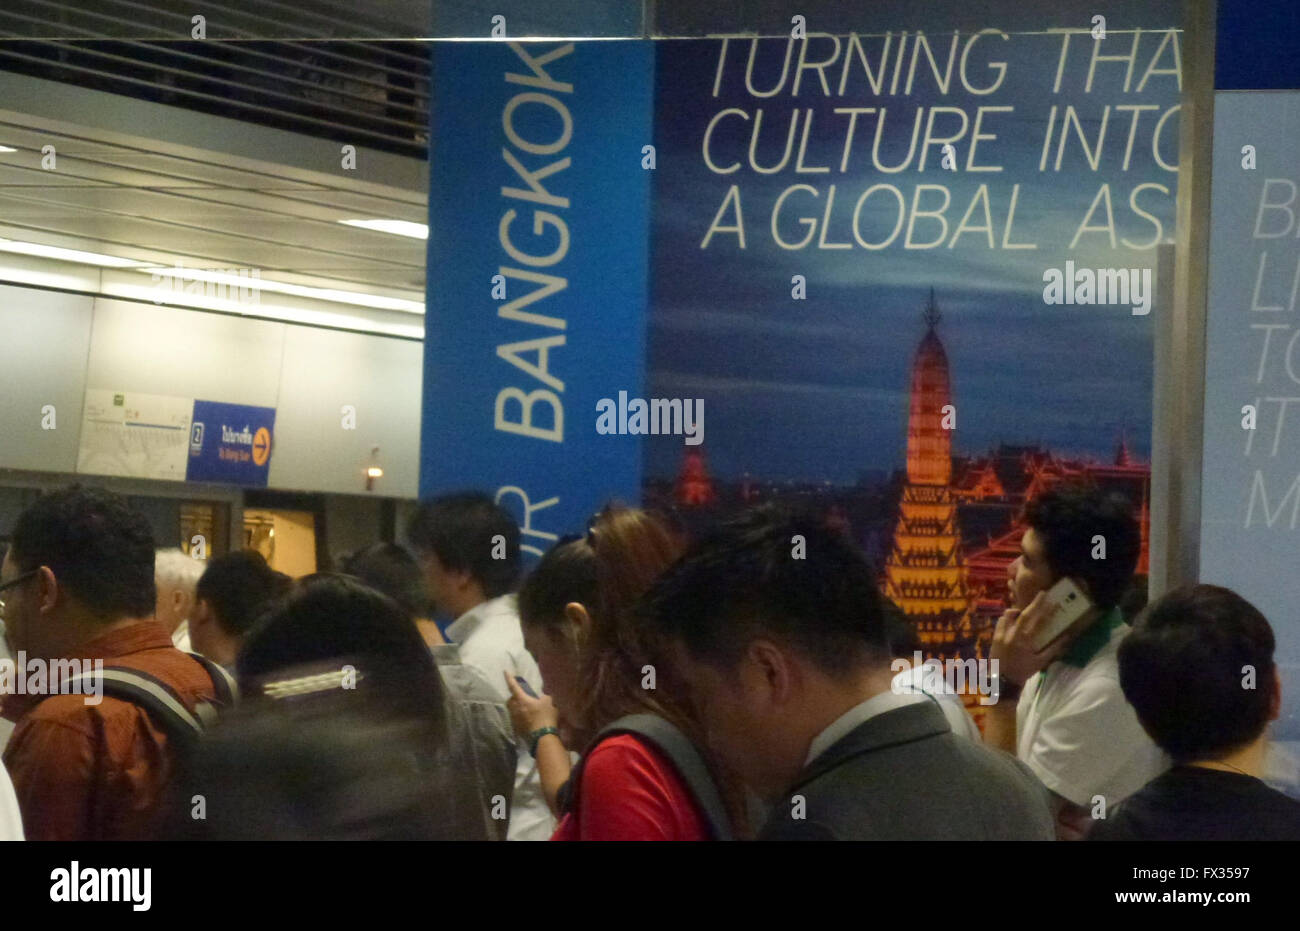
[[78, 584]]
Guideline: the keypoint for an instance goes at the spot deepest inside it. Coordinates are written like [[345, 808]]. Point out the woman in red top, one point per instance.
[[577, 622]]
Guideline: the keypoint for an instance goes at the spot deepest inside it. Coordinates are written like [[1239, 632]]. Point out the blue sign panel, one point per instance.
[[230, 443], [537, 271], [1250, 487]]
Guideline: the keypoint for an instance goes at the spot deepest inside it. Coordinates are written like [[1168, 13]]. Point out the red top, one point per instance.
[[630, 791]]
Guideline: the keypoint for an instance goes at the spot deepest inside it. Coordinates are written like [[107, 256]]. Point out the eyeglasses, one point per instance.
[[12, 583]]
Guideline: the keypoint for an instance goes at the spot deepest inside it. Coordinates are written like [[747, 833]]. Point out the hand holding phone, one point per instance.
[[1063, 604]]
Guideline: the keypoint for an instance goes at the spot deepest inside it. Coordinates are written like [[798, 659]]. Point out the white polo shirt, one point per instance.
[[1075, 729], [491, 640], [916, 680]]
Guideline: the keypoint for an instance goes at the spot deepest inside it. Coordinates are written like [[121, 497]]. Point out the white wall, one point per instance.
[[53, 346], [44, 336], [380, 378]]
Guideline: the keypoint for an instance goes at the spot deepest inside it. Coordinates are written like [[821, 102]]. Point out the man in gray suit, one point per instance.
[[776, 625]]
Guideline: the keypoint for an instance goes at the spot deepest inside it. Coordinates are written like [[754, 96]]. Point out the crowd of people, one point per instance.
[[634, 685]]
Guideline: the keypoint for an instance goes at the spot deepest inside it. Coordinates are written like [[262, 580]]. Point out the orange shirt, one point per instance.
[[98, 772]]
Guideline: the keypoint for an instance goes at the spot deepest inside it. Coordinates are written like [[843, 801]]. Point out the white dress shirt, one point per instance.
[[491, 640], [859, 713]]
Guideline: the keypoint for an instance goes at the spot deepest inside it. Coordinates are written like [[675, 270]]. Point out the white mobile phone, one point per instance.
[[1073, 603]]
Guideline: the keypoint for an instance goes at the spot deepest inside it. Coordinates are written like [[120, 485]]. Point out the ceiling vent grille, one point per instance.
[[316, 69]]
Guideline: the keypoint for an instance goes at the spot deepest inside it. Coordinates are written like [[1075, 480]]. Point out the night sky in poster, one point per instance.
[[816, 389]]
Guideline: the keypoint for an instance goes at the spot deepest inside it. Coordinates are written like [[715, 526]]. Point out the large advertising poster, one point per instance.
[[1250, 492], [907, 280], [904, 278]]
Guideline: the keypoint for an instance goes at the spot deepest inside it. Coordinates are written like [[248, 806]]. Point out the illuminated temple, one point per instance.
[[960, 519], [946, 529], [925, 573]]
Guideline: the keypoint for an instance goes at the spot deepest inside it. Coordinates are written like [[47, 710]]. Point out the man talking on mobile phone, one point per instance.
[[1059, 706]]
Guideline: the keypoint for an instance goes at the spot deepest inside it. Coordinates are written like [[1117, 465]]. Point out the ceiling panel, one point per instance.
[[205, 209]]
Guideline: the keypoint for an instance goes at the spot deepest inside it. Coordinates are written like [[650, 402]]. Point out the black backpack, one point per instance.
[[160, 701]]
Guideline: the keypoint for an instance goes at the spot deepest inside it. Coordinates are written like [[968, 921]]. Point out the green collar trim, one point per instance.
[[1089, 643]]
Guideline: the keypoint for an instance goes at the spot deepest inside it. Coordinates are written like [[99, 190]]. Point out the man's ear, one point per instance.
[[462, 579], [1275, 700], [767, 668], [579, 621], [48, 591]]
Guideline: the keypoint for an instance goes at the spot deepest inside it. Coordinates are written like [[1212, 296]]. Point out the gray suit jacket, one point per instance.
[[903, 775]]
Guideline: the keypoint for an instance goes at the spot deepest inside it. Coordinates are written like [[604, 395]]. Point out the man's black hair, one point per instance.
[[461, 530], [1184, 666], [390, 569], [98, 547], [1068, 518], [239, 586], [769, 573]]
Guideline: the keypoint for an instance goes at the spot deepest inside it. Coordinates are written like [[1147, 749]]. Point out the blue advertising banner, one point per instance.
[[230, 443], [537, 275], [1250, 492]]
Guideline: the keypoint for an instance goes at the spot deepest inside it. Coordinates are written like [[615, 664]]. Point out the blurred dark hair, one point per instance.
[[331, 765], [392, 570], [98, 547], [309, 757], [334, 620], [1067, 517], [744, 579], [459, 529], [1182, 666], [239, 586], [901, 631]]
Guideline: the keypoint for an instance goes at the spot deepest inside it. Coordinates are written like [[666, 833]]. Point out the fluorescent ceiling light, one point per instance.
[[264, 309], [184, 274], [250, 283], [5, 148], [67, 255], [396, 227]]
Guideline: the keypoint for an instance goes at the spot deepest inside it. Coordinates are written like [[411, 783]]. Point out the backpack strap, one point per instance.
[[158, 699], [675, 745], [223, 683]]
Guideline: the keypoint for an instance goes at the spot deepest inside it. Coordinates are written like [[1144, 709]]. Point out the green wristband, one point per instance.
[[536, 737]]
